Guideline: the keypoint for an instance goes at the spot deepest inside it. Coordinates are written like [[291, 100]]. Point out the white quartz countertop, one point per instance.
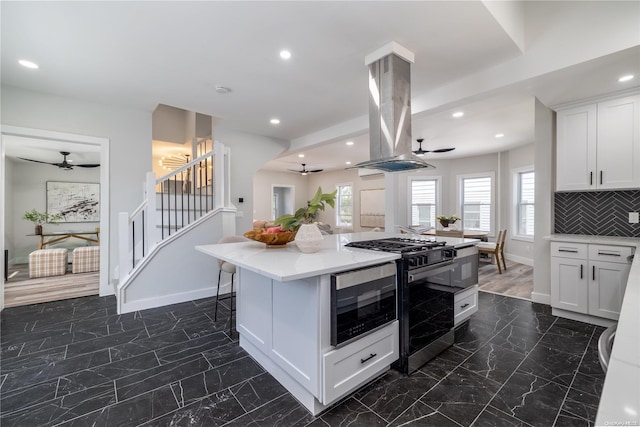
[[288, 263], [620, 400]]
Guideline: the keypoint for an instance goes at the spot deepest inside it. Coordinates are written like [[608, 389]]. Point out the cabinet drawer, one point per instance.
[[346, 368], [569, 250], [618, 254], [465, 304]]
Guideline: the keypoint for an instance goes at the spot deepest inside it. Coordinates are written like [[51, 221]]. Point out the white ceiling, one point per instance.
[[141, 54]]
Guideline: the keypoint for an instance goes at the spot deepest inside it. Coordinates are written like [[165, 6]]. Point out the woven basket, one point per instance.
[[271, 239]]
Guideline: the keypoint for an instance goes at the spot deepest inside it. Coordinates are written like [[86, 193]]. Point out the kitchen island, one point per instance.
[[283, 316]]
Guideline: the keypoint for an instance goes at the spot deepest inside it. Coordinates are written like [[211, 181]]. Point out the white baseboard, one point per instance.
[[131, 306], [541, 298], [519, 259], [580, 317]]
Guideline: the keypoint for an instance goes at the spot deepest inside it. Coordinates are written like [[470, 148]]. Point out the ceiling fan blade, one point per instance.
[[88, 165], [442, 150], [38, 161], [316, 170]]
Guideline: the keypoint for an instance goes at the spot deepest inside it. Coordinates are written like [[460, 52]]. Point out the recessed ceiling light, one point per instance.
[[499, 135], [300, 155], [347, 163], [458, 114], [285, 54], [275, 121], [626, 78], [349, 142], [28, 64]]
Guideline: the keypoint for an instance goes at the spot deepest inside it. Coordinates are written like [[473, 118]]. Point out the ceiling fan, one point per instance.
[[305, 171], [65, 164], [420, 152]]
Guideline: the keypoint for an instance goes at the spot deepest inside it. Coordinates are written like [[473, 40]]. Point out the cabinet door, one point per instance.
[[569, 288], [576, 148], [618, 147], [607, 283]]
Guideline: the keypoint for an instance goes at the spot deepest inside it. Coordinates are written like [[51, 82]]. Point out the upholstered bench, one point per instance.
[[47, 262], [86, 259]]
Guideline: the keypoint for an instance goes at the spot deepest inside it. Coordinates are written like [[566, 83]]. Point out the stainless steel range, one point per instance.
[[425, 297]]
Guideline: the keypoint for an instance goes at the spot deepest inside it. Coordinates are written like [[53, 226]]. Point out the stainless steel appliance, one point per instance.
[[362, 300], [425, 297], [465, 272]]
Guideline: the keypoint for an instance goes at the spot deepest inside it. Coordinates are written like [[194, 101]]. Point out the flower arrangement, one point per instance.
[[39, 218], [450, 218], [307, 214]]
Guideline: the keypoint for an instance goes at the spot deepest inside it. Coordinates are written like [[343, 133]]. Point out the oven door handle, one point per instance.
[[419, 275]]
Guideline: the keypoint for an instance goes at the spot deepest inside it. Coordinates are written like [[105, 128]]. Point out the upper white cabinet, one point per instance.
[[598, 145]]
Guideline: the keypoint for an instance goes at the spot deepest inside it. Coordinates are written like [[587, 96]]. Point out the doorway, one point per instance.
[[282, 200], [15, 138]]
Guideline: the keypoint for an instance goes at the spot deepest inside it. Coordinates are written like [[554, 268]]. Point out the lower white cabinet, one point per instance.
[[465, 304], [588, 278], [348, 367]]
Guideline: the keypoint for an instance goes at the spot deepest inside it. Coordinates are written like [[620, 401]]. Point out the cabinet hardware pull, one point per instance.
[[590, 178], [464, 305], [368, 358], [593, 272], [600, 177], [581, 271], [568, 250], [608, 253]]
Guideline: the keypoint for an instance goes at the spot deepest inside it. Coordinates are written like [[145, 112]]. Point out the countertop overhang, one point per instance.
[[288, 263]]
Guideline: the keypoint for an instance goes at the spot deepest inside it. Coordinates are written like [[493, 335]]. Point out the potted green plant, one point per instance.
[[308, 236], [39, 218], [445, 220]]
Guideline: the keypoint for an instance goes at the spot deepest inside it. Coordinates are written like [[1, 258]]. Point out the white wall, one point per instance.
[[128, 131], [329, 181], [29, 183], [249, 152], [517, 249], [544, 155], [264, 180], [9, 196]]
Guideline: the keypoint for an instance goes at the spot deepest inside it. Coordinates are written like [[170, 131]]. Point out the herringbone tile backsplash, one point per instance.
[[601, 213]]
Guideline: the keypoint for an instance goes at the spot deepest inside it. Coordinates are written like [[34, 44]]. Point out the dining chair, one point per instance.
[[495, 248], [450, 233], [230, 268]]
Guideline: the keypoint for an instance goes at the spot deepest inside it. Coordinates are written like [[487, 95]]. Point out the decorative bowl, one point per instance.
[[272, 240]]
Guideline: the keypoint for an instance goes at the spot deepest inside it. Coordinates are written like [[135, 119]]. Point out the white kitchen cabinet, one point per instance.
[[569, 288], [465, 304], [589, 278], [598, 145]]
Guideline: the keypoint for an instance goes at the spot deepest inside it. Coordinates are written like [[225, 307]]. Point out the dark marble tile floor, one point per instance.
[[77, 363]]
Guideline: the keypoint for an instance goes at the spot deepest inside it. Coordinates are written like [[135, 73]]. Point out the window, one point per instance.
[[525, 185], [477, 202], [424, 197], [344, 208]]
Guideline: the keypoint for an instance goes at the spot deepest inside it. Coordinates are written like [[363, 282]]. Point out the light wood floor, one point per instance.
[[516, 281], [20, 290]]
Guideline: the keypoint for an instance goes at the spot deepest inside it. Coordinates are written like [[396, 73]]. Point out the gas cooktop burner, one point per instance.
[[397, 244]]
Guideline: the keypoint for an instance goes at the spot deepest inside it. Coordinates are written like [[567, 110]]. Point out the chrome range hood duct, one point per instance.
[[390, 112]]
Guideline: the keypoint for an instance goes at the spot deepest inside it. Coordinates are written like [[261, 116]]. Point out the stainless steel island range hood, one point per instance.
[[390, 111]]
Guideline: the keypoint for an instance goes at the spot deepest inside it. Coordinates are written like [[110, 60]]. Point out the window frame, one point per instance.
[[516, 175], [339, 223], [438, 189], [460, 197]]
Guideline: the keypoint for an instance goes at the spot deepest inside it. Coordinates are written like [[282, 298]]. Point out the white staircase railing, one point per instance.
[[171, 203]]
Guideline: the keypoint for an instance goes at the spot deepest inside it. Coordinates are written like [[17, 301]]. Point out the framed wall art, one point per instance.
[[372, 208], [75, 201]]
